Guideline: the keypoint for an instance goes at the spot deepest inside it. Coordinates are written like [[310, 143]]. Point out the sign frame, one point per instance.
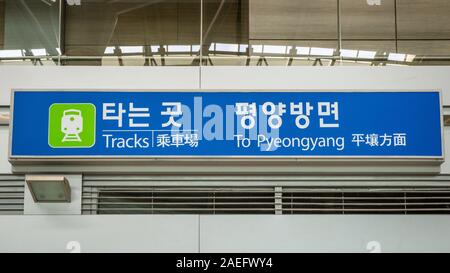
[[148, 158]]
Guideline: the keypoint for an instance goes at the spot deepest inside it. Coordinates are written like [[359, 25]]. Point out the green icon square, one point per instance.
[[71, 125]]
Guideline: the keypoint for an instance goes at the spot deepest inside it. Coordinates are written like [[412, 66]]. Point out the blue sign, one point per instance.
[[121, 124]]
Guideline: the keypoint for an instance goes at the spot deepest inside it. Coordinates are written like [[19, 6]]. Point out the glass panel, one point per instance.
[[398, 32], [225, 32], [29, 32], [133, 33], [426, 33], [282, 32], [326, 32], [367, 32], [233, 32], [2, 24]]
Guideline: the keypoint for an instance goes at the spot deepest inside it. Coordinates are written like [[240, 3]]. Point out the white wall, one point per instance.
[[155, 233], [91, 77], [214, 233], [225, 77], [329, 78], [195, 233], [322, 233], [5, 167]]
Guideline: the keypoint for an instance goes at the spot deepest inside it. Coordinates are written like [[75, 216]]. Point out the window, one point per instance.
[[225, 32]]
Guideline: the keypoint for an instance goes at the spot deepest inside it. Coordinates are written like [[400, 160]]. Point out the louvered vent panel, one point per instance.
[[162, 195], [179, 200], [366, 200], [11, 194]]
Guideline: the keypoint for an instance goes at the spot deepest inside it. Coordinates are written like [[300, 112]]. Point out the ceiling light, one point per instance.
[[362, 54], [109, 50], [11, 53], [243, 48], [154, 48], [319, 51], [396, 57], [302, 50], [257, 48], [274, 49], [227, 47], [73, 2], [39, 52], [131, 49], [349, 53], [179, 48], [195, 48]]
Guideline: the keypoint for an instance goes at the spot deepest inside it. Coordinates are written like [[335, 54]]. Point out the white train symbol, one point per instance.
[[72, 125]]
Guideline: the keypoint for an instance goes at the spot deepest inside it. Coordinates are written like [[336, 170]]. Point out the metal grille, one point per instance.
[[103, 196], [11, 194], [176, 200], [366, 200]]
